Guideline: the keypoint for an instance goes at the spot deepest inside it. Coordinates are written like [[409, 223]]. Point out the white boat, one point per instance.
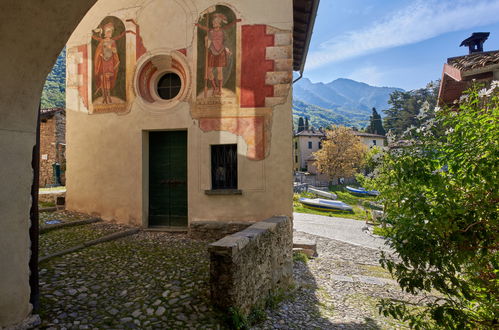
[[325, 204], [322, 193]]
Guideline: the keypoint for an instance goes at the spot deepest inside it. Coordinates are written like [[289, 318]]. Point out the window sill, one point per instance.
[[224, 192]]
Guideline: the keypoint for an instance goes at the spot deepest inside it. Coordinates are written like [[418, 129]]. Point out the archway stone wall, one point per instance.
[[32, 35]]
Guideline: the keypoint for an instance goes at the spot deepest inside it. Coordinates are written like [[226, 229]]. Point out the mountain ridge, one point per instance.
[[343, 98]]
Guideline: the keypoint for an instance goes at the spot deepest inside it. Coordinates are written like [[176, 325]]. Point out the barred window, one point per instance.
[[224, 166]]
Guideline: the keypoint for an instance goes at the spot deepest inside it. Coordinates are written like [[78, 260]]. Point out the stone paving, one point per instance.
[[155, 280], [63, 216], [64, 238], [337, 290], [148, 281]]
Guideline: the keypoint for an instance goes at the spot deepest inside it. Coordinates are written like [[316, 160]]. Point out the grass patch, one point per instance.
[[300, 256], [359, 204], [382, 231], [375, 271], [46, 204]]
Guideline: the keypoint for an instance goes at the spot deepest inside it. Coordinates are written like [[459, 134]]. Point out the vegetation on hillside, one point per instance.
[[440, 194], [54, 90], [321, 117], [405, 108]]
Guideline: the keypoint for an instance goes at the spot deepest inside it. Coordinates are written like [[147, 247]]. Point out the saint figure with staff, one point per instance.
[[106, 61], [216, 52]]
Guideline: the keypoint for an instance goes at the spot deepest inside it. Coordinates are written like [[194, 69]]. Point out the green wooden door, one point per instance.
[[168, 178]]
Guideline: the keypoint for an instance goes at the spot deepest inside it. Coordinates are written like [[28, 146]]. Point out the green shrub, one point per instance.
[[441, 191]]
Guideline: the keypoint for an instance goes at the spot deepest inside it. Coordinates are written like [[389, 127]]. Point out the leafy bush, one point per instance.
[[440, 192]]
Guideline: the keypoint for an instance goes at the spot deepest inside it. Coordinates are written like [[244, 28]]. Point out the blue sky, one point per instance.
[[396, 43]]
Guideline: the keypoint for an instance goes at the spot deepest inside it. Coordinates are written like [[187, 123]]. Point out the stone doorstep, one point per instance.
[[305, 244]]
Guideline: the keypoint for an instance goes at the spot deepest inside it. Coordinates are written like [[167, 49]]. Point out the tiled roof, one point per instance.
[[368, 134], [49, 112], [310, 133], [474, 61]]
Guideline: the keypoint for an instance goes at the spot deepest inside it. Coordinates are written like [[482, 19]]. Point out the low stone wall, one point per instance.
[[251, 264], [215, 230]]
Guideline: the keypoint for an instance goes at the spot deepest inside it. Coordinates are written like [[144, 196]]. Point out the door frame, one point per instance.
[[145, 176]]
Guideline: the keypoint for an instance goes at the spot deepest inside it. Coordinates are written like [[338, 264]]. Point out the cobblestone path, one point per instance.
[[155, 280], [337, 290], [145, 281]]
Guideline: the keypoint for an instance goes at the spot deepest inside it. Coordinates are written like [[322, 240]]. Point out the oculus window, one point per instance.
[[169, 86]]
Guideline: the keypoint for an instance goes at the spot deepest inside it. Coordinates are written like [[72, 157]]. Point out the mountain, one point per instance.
[[343, 101]]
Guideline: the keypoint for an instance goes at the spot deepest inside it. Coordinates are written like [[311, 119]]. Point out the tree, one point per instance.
[[375, 124], [341, 154], [301, 125], [306, 124], [405, 107], [440, 194]]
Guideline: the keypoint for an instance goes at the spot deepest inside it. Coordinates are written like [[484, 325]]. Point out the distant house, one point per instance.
[[459, 72], [306, 142], [371, 140], [52, 147]]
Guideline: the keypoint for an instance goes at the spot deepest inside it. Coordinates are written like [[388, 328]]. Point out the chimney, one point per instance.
[[475, 42]]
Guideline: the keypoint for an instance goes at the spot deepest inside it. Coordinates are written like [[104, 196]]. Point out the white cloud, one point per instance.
[[368, 74], [422, 20]]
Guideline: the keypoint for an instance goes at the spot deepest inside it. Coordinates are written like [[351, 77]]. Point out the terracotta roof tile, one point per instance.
[[474, 61]]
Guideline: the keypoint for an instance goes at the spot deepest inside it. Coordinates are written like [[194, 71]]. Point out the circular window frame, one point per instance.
[[153, 86], [164, 61], [171, 88]]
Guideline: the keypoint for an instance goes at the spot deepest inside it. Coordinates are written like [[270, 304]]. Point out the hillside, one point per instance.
[[54, 91], [342, 101]]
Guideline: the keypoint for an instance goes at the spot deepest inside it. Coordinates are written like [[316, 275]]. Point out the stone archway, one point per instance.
[[32, 35]]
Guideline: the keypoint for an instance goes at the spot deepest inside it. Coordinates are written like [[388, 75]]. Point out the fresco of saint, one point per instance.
[[217, 52], [106, 61]]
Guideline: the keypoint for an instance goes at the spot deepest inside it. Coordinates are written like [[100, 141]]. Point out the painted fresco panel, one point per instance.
[[109, 66], [216, 56]]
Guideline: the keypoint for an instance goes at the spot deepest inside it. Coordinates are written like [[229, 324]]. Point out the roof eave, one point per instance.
[[310, 28]]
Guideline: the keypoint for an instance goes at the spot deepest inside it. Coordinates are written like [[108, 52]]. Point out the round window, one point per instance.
[[169, 86]]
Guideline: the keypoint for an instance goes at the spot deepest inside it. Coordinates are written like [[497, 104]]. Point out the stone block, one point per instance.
[[278, 52], [283, 39], [281, 90], [278, 77], [285, 64], [273, 101]]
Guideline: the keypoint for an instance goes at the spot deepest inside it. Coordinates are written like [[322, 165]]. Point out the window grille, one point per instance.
[[224, 166]]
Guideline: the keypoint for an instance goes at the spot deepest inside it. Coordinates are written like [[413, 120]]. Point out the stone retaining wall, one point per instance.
[[251, 264], [215, 230]]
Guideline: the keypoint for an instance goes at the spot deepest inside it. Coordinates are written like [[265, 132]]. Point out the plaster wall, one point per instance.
[[107, 154], [32, 34], [304, 151], [369, 141]]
